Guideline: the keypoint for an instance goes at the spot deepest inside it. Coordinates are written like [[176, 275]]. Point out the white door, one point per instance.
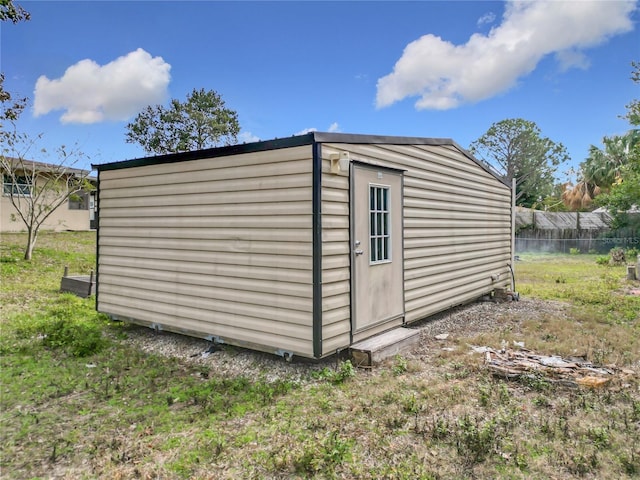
[[377, 250]]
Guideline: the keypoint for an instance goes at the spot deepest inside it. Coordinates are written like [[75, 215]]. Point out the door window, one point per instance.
[[379, 224]]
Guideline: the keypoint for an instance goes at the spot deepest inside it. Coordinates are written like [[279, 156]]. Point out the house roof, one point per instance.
[[294, 141], [46, 167]]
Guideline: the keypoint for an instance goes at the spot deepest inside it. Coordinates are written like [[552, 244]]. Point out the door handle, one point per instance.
[[358, 251]]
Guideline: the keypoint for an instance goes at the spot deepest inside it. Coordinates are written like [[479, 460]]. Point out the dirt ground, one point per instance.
[[465, 321]]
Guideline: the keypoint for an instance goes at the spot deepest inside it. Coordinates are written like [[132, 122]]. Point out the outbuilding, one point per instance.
[[300, 246]]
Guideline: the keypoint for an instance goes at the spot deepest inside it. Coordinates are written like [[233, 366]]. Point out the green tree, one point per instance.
[[624, 194], [12, 12], [11, 111], [201, 121], [35, 189], [633, 108], [516, 148], [625, 191], [610, 176], [602, 169]]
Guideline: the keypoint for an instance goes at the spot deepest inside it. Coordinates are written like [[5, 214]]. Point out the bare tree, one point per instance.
[[35, 189]]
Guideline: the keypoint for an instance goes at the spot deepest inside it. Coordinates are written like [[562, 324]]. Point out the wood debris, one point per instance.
[[571, 372]]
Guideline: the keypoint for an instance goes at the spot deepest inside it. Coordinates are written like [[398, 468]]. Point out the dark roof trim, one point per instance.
[[209, 153], [295, 141], [354, 138]]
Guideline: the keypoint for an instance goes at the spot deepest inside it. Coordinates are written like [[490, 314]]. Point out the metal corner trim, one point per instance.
[[317, 249]]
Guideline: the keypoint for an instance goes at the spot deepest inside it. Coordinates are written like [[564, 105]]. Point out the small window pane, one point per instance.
[[20, 186], [79, 201]]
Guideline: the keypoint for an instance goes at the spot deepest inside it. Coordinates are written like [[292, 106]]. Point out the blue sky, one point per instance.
[[431, 69]]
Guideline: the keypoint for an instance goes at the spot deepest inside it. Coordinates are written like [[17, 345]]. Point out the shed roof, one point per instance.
[[294, 141]]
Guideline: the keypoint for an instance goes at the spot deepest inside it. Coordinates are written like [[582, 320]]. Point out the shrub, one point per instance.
[[617, 256], [574, 251], [632, 254]]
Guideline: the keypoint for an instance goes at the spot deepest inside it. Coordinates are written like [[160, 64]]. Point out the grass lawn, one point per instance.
[[79, 401]]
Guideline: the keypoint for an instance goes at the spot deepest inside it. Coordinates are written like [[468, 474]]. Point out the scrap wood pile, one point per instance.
[[571, 372]]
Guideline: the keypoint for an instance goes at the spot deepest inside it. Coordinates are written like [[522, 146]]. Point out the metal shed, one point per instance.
[[300, 246]]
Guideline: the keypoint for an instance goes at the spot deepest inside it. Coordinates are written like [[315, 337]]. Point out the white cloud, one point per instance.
[[445, 75], [306, 130], [91, 93], [334, 127], [572, 59], [487, 18], [247, 137]]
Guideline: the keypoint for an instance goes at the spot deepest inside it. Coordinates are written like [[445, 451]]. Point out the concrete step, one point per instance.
[[374, 350]]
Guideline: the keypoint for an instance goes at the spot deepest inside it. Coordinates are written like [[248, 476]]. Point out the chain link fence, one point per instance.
[[573, 245]]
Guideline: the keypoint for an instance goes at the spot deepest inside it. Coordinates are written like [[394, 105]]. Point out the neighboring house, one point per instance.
[[77, 213], [300, 246]]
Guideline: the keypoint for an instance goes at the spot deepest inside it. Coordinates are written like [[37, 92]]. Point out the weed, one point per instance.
[[322, 459], [504, 394], [484, 393], [410, 404], [599, 436], [475, 440], [395, 422], [630, 464], [342, 372], [400, 365], [542, 401], [389, 398], [583, 463], [635, 410], [439, 428], [574, 251], [535, 382], [229, 396], [520, 461]]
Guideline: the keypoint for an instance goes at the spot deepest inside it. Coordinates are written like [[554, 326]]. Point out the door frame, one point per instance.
[[376, 327]]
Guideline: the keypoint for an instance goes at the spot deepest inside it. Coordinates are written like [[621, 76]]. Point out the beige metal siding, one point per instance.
[[457, 224], [216, 247], [336, 287]]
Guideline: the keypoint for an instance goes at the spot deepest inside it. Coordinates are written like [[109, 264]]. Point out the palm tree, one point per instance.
[[601, 169]]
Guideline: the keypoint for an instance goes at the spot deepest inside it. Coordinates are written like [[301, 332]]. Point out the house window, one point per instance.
[[15, 186], [379, 224], [79, 201]]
